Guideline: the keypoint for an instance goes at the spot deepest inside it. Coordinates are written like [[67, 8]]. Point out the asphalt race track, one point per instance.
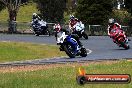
[[99, 48]]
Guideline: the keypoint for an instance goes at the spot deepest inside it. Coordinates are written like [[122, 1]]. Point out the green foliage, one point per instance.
[[128, 4], [94, 11], [1, 6], [122, 16], [51, 10], [71, 6], [24, 14]]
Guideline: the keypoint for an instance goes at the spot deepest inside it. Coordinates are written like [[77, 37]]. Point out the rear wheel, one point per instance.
[[37, 34], [124, 44], [85, 35], [48, 32], [127, 47], [83, 52]]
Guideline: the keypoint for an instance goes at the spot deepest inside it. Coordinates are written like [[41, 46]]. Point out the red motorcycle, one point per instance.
[[119, 38]]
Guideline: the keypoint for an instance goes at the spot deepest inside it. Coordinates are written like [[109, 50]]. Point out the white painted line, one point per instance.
[[90, 51], [5, 41]]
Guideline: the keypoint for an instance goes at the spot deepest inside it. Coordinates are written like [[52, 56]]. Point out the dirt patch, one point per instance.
[[6, 69]]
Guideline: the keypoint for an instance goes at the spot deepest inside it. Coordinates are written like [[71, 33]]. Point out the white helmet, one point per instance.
[[34, 14], [111, 21], [71, 17]]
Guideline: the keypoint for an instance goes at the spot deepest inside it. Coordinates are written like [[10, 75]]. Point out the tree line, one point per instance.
[[88, 11]]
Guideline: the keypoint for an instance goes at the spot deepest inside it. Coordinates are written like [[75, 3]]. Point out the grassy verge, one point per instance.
[[14, 51], [24, 14], [63, 76]]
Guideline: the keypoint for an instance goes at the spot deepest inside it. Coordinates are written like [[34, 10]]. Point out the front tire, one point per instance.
[[69, 50]]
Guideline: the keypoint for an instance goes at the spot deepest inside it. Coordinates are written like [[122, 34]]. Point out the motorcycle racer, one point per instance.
[[58, 29], [114, 25], [77, 27], [35, 20], [72, 22], [35, 17], [39, 24]]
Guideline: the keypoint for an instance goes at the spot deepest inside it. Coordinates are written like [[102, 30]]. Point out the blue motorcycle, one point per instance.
[[70, 45]]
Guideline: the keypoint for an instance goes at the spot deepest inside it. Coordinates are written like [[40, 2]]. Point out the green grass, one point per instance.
[[64, 76], [14, 51], [24, 14]]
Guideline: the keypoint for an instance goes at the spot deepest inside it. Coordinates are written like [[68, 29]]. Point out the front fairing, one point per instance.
[[61, 36], [73, 42]]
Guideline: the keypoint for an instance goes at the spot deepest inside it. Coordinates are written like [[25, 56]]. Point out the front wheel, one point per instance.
[[126, 46], [69, 50]]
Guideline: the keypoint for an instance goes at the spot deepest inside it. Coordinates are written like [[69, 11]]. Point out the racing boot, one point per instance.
[[80, 44]]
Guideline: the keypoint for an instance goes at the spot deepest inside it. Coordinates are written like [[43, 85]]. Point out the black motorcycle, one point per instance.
[[40, 29]]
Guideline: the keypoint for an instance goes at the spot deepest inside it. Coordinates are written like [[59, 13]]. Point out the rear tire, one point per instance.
[[48, 32], [83, 52], [123, 43], [85, 35], [36, 34], [126, 46]]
